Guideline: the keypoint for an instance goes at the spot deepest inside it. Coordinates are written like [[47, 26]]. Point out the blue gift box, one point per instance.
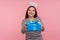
[[33, 25]]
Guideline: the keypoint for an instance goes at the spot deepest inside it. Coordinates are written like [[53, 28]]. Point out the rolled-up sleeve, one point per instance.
[[39, 19], [23, 22]]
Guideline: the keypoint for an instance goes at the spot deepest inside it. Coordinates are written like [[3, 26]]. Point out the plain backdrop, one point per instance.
[[12, 12]]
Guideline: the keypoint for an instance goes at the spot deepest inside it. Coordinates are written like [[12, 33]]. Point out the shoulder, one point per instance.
[[24, 20], [38, 18]]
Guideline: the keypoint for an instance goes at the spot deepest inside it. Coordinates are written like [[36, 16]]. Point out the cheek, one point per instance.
[[28, 11], [33, 13]]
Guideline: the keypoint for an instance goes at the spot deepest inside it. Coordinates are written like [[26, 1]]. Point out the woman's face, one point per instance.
[[31, 12]]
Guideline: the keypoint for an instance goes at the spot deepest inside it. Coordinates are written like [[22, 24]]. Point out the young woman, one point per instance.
[[31, 14]]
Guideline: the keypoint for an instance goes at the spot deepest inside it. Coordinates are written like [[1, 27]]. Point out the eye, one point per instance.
[[29, 10], [33, 10]]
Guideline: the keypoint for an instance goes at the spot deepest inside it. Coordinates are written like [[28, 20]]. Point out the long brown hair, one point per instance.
[[26, 16]]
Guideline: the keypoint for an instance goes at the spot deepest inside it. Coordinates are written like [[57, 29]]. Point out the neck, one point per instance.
[[31, 18]]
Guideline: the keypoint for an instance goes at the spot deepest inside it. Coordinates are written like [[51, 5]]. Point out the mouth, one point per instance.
[[31, 13]]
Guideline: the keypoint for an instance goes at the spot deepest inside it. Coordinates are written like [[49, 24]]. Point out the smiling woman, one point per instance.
[[32, 34]]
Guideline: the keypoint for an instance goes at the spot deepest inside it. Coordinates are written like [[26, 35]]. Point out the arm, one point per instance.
[[42, 28], [23, 29]]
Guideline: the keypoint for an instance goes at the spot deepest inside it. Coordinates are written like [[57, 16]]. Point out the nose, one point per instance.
[[30, 12]]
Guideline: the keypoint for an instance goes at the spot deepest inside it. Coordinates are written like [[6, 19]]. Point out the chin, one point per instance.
[[32, 15]]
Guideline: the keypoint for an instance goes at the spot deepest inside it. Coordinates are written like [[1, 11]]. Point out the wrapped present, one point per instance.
[[33, 25]]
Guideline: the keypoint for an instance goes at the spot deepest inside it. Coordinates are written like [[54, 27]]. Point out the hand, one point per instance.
[[42, 29], [23, 29]]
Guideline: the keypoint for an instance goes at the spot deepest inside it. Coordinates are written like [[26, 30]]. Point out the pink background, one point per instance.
[[13, 11]]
